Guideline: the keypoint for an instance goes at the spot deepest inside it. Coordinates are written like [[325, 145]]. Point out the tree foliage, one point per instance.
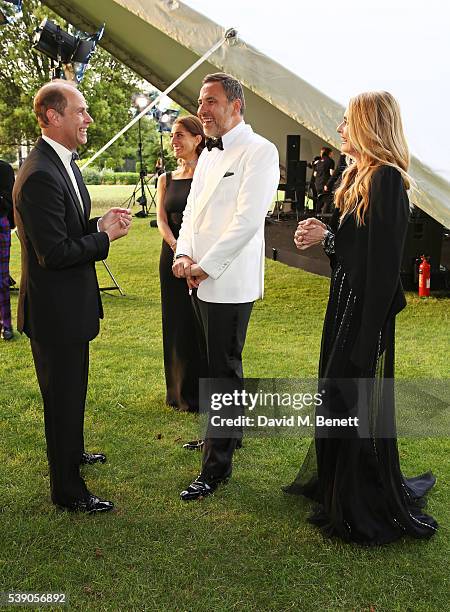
[[107, 85]]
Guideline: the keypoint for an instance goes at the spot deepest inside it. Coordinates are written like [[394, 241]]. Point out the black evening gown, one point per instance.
[[355, 480], [182, 361]]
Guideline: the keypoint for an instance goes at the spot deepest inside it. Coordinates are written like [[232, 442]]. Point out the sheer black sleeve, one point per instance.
[[388, 219]]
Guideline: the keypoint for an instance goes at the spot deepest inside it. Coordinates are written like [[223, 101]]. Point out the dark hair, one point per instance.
[[326, 151], [50, 95], [194, 126], [232, 87]]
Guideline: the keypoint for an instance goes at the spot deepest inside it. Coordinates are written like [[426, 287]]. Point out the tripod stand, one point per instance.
[[142, 185], [114, 287]]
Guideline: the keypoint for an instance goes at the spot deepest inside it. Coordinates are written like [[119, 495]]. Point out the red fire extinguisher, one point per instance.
[[424, 278]]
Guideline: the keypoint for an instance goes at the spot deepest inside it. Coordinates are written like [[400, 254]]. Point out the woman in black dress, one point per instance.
[[353, 474], [181, 351]]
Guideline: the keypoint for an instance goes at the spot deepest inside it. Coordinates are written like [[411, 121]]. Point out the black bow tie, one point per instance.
[[214, 142], [75, 156]]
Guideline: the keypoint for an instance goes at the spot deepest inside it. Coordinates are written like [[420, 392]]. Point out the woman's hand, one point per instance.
[[309, 232]]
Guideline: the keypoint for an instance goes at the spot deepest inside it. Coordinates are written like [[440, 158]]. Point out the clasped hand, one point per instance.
[[116, 223], [185, 267], [308, 233]]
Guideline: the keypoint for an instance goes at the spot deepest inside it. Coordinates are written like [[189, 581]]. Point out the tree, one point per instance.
[[107, 85]]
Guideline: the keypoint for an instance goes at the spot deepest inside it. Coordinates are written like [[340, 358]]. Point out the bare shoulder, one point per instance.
[[162, 181]]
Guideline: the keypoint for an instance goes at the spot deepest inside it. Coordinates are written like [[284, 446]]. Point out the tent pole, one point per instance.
[[230, 35]]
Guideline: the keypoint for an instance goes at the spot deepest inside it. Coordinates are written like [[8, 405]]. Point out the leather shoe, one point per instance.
[[90, 505], [91, 458], [7, 333], [194, 445], [200, 489], [199, 444]]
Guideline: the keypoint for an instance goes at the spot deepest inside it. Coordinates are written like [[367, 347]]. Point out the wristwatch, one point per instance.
[[175, 257]]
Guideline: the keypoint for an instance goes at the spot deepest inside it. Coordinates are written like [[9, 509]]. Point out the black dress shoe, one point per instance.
[[194, 445], [91, 505], [197, 490], [91, 458], [199, 444], [7, 333]]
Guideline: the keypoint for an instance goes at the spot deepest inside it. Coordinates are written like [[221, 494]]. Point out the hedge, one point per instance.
[[94, 176]]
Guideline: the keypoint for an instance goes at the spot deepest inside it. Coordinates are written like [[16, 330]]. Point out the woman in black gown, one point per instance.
[[181, 351], [353, 474]]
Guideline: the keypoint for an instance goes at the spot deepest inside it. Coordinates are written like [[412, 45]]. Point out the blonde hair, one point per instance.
[[375, 131]]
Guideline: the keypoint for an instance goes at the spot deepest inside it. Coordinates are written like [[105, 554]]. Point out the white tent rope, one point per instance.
[[156, 100]]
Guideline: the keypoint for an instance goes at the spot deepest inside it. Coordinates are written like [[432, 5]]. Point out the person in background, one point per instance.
[[182, 359], [335, 179], [312, 181], [6, 225], [352, 471], [323, 170], [159, 169]]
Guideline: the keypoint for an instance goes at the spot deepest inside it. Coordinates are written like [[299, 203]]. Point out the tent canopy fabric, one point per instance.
[[160, 39]]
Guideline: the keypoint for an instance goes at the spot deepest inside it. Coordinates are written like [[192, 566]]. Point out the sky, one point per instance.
[[344, 47]]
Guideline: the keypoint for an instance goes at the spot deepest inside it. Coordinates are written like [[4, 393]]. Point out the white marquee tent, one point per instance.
[[160, 39]]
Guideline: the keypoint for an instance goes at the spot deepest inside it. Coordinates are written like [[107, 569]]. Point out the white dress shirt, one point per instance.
[[66, 157], [223, 222], [203, 170]]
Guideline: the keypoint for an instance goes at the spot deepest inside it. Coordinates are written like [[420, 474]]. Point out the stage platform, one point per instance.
[[280, 246]]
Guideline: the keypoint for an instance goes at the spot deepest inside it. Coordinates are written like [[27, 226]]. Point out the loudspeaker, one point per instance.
[[292, 148], [296, 182]]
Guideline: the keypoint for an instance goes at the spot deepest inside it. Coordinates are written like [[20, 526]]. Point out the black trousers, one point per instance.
[[223, 329], [62, 373]]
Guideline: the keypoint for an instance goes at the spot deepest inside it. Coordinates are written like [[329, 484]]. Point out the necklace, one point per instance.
[[191, 164]]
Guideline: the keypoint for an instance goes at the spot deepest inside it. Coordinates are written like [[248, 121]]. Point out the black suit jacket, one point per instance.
[[59, 299], [323, 168], [335, 178], [6, 187], [371, 255]]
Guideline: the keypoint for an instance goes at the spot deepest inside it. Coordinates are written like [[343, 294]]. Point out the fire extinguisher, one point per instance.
[[424, 277]]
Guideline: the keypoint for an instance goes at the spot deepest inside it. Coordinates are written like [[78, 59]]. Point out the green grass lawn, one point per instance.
[[247, 548]]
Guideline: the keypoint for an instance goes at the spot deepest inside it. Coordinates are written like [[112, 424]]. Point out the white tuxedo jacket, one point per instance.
[[223, 222]]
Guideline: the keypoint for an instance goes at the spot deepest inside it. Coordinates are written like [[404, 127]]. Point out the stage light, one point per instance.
[[167, 119], [8, 14], [66, 49], [140, 101]]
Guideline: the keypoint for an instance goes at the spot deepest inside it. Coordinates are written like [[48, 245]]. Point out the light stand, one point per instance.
[[161, 146], [165, 119], [142, 185]]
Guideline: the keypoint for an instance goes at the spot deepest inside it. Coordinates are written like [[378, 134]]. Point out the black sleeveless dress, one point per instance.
[[181, 350]]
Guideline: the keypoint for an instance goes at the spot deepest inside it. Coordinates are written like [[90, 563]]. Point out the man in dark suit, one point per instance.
[[323, 170], [6, 224], [59, 301]]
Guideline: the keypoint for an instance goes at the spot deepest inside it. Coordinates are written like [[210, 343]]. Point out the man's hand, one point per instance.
[[309, 232], [196, 276], [116, 223], [180, 268]]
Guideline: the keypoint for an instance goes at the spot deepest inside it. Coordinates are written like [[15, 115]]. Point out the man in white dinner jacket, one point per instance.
[[220, 249]]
